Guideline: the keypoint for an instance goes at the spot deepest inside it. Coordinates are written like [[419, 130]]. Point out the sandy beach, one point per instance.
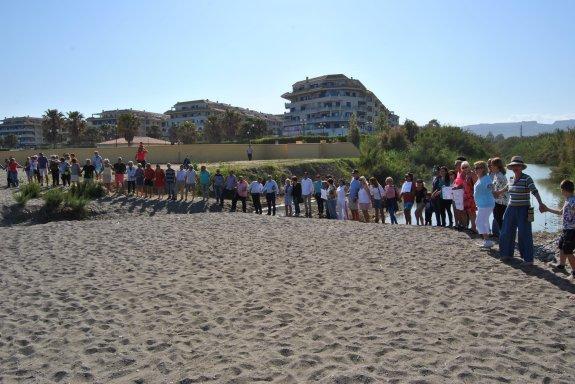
[[240, 298]]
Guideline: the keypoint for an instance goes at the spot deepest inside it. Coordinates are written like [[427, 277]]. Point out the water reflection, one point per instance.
[[550, 194]]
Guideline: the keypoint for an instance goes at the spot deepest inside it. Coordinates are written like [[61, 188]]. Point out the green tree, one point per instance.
[[10, 141], [108, 131], [253, 128], [128, 126], [230, 123], [382, 121], [76, 126], [353, 131], [186, 132], [433, 124], [411, 130], [213, 130], [92, 135], [52, 126], [154, 132]]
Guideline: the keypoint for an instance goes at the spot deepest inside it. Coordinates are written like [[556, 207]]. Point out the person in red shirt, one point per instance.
[[12, 171], [149, 176], [458, 182], [141, 154], [160, 181]]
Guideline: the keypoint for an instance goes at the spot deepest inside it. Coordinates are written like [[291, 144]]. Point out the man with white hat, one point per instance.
[[516, 218]]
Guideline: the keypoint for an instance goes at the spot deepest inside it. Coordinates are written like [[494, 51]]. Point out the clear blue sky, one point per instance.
[[458, 61]]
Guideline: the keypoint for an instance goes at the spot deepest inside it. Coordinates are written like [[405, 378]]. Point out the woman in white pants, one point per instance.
[[484, 200], [341, 205]]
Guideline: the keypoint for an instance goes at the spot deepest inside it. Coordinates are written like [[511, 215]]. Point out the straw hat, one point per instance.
[[517, 160]]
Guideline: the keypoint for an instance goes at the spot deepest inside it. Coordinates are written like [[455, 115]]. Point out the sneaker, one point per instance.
[[558, 268], [487, 244]]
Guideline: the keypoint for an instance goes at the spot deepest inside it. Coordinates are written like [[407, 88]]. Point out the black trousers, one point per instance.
[[131, 186], [235, 203], [319, 201], [271, 200], [257, 202], [296, 203], [498, 212], [55, 178]]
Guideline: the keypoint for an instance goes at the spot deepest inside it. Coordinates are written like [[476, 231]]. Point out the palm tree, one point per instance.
[[231, 121], [353, 131], [52, 126], [76, 126], [213, 130], [128, 126]]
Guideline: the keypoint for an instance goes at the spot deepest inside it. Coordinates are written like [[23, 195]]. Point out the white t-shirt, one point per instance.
[[377, 192], [363, 196]]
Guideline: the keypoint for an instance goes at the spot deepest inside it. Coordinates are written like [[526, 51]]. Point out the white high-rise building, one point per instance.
[[323, 106], [27, 129]]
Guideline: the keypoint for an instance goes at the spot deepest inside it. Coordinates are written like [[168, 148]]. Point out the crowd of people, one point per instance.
[[477, 197]]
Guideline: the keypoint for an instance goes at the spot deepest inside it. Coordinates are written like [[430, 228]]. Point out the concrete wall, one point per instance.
[[206, 152]]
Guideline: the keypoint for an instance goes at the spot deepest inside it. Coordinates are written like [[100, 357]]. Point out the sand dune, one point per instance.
[[240, 298]]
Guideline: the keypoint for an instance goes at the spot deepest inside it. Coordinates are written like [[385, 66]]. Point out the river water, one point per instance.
[[550, 194]]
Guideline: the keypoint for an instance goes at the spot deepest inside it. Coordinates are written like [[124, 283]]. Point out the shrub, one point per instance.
[[21, 198], [77, 205], [88, 190], [53, 198], [32, 190]]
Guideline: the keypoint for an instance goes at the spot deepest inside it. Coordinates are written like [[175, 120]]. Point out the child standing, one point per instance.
[[567, 240]]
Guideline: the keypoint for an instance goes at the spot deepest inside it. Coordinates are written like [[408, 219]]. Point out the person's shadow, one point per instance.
[[536, 271]]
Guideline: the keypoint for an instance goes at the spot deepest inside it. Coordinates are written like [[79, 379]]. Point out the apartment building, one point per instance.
[[27, 129], [323, 106], [147, 119], [198, 111]]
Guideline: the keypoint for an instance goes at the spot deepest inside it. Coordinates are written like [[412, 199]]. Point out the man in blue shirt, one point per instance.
[[271, 189], [354, 187]]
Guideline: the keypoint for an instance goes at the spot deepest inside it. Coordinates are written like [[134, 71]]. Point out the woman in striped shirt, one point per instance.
[[515, 219]]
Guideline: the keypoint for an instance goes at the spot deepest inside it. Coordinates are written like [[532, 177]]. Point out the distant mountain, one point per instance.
[[530, 128]]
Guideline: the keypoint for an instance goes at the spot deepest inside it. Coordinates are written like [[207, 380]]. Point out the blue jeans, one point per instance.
[[331, 208], [391, 209], [219, 192], [515, 220]]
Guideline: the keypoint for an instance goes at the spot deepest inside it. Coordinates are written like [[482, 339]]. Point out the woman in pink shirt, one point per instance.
[[241, 194]]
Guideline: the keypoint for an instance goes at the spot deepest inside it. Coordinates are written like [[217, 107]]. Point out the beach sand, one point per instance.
[[241, 298]]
